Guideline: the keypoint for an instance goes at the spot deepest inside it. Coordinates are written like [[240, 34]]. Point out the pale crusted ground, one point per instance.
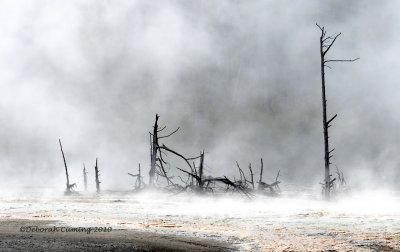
[[11, 239], [262, 224]]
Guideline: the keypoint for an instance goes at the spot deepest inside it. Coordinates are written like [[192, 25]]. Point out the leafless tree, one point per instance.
[[326, 42], [194, 170], [273, 188], [85, 177], [251, 176], [261, 174], [69, 187], [156, 153], [139, 179], [96, 173]]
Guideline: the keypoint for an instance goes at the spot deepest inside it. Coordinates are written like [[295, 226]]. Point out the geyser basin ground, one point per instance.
[[368, 221]]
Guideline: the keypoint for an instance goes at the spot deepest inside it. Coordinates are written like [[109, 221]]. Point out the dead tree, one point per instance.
[[157, 156], [243, 182], [69, 187], [85, 177], [326, 42], [153, 151], [273, 187], [139, 180], [240, 185], [156, 153], [251, 176], [201, 168], [261, 174], [159, 151], [236, 187], [194, 174], [96, 174], [340, 177]]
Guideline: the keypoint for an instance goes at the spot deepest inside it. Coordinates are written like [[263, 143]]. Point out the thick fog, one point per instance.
[[241, 79]]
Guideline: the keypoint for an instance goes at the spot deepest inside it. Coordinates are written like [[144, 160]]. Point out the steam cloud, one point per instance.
[[240, 78]]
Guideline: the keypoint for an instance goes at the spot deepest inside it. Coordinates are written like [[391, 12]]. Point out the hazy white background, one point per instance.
[[241, 78]]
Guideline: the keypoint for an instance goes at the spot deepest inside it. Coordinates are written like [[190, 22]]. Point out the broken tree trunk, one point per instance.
[[326, 43], [251, 176], [96, 172], [324, 122], [242, 182], [153, 154], [201, 167], [261, 174], [65, 165], [69, 186], [273, 187], [139, 179], [85, 177], [229, 183], [340, 177], [157, 154], [139, 182]]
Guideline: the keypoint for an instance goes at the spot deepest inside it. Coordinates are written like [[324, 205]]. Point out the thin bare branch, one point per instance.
[[330, 120], [162, 128], [190, 174], [169, 134], [277, 176], [348, 60], [331, 44], [321, 28]]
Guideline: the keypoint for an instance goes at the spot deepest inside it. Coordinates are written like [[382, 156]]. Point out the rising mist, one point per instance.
[[240, 78]]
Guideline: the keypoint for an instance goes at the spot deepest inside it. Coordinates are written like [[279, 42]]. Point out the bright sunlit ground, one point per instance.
[[360, 221]]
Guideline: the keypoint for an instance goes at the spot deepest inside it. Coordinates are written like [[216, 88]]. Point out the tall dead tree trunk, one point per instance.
[[251, 176], [326, 43], [153, 150], [261, 174], [96, 172], [66, 168], [68, 185], [157, 161], [201, 168], [139, 178], [138, 182], [85, 177]]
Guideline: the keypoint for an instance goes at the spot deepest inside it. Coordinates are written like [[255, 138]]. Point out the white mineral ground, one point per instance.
[[367, 221]]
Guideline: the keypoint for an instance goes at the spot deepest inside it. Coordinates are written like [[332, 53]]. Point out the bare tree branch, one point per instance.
[[333, 118], [169, 134], [331, 44], [346, 60]]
